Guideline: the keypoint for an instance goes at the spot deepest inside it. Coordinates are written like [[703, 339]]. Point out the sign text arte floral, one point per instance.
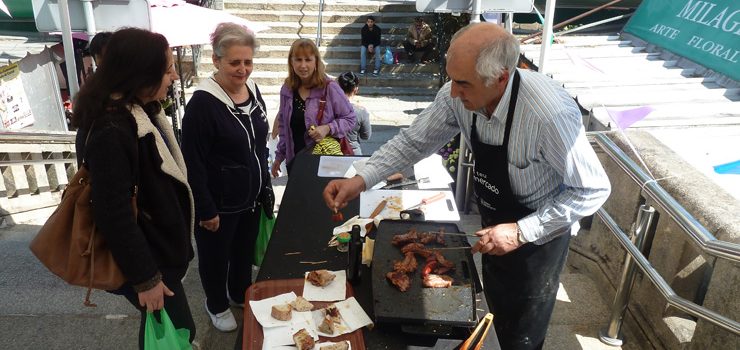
[[707, 32]]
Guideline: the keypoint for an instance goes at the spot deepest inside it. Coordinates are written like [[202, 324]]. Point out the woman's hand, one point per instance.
[[318, 133], [211, 225], [276, 168], [153, 299]]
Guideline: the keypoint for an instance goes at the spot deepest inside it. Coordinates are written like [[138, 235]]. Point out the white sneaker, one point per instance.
[[224, 321]]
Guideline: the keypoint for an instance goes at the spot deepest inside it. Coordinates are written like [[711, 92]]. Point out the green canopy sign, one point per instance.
[[707, 32]]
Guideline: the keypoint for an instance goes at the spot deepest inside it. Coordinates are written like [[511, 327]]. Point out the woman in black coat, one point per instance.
[[225, 147], [130, 150]]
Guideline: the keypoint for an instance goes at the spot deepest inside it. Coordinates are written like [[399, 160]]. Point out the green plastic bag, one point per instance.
[[164, 336], [263, 238]]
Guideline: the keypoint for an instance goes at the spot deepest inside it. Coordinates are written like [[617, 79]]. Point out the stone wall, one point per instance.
[[692, 274]]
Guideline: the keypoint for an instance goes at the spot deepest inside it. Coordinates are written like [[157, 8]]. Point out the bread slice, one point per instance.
[[343, 345], [327, 325], [320, 278], [303, 340], [282, 312], [301, 304]]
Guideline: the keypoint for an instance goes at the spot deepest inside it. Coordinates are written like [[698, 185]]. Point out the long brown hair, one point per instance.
[[305, 47], [134, 62]]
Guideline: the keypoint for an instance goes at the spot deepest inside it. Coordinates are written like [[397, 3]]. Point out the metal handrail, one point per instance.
[[665, 289], [698, 233], [319, 36]]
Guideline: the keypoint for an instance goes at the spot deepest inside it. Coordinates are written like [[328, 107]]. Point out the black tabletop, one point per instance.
[[299, 244]]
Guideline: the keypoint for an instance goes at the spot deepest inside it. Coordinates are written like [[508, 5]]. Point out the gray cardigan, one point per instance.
[[361, 130]]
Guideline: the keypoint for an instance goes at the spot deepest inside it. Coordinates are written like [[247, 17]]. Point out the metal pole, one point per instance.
[[509, 22], [475, 17], [69, 49], [596, 9], [318, 29], [643, 236], [547, 33]]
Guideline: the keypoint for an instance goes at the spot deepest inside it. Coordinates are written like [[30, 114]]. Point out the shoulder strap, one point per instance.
[[322, 104]]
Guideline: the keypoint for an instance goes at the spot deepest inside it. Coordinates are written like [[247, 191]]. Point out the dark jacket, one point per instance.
[[370, 36], [126, 150], [225, 149]]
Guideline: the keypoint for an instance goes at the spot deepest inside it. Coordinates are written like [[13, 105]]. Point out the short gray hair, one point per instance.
[[495, 56], [228, 34]]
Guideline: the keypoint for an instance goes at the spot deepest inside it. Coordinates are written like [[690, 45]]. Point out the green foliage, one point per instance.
[[447, 25]]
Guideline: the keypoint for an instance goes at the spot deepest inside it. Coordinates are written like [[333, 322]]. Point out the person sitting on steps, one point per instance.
[[418, 38], [370, 44]]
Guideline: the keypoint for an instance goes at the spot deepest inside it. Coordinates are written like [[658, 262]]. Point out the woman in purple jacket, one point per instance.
[[304, 87]]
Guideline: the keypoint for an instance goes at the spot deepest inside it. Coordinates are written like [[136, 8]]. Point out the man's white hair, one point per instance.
[[494, 57]]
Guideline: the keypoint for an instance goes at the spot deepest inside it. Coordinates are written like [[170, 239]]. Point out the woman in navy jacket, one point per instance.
[[224, 144]]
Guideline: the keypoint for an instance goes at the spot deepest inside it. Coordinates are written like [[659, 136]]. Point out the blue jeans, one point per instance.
[[363, 57]]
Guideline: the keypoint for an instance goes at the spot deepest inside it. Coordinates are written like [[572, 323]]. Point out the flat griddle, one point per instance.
[[454, 306]]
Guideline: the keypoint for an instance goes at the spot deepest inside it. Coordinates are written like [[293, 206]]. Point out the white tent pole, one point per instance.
[[475, 17], [69, 50], [89, 17], [546, 34]]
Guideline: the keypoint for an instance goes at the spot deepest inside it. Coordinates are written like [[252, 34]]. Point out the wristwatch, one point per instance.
[[520, 235]]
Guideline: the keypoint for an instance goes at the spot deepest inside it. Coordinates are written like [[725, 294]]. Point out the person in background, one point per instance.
[[304, 87], [350, 83], [418, 38], [370, 35], [225, 147], [130, 150], [535, 175], [96, 48]]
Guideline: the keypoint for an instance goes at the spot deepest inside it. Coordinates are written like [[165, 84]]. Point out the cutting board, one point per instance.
[[441, 210], [252, 336]]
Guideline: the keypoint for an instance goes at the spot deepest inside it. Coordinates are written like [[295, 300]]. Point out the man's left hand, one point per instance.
[[497, 240]]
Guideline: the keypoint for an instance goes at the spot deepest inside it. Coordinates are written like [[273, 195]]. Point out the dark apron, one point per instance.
[[520, 286]]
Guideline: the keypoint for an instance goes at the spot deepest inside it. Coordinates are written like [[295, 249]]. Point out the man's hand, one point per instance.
[[211, 225], [153, 299], [318, 133], [370, 48], [497, 240], [276, 168], [338, 192]]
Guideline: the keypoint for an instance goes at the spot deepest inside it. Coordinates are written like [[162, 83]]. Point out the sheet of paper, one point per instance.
[[347, 226], [336, 290], [262, 309], [276, 336], [335, 166], [441, 210], [353, 314], [431, 173]]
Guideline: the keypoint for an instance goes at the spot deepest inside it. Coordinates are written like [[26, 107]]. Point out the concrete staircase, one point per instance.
[[342, 20]]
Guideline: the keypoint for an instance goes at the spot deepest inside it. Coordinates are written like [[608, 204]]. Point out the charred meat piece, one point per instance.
[[399, 279], [407, 265], [416, 248], [428, 237], [441, 270], [337, 217], [320, 278], [437, 281], [332, 312], [406, 238], [442, 261], [303, 340]]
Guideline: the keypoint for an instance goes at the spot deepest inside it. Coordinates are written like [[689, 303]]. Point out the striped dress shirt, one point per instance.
[[552, 168]]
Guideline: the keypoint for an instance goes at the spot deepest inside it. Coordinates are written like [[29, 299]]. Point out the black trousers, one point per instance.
[[176, 306], [411, 49], [521, 287], [225, 258]]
